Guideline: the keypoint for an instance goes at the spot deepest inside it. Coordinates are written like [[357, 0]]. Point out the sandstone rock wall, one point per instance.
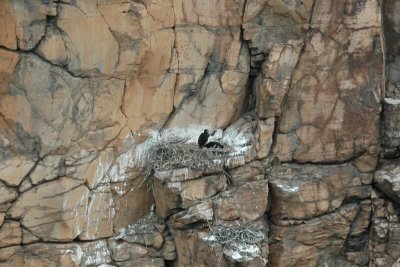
[[313, 85]]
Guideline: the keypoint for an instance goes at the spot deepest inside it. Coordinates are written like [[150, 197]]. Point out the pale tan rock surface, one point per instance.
[[172, 196], [201, 248], [44, 254], [146, 242], [313, 243], [52, 47], [91, 47], [301, 192], [54, 211], [13, 170], [48, 169], [327, 103], [208, 13], [7, 194], [26, 21], [273, 83], [127, 197], [213, 70], [8, 36], [246, 202], [10, 234], [307, 92], [100, 211]]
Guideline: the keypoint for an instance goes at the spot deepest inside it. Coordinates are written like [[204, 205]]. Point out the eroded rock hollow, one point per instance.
[[102, 101]]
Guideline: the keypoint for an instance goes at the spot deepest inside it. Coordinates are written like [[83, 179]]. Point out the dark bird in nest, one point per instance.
[[203, 138], [214, 145]]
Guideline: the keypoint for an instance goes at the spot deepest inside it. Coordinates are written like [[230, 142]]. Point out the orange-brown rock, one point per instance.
[[216, 82], [265, 130], [48, 169], [90, 54], [197, 215], [45, 254], [208, 13], [128, 196], [24, 22], [172, 196], [100, 211], [314, 242], [247, 202], [8, 36], [273, 83], [260, 28], [10, 234], [28, 237], [124, 251], [53, 211], [7, 194], [8, 61], [52, 47], [203, 248], [13, 170], [304, 93], [300, 192], [253, 171], [326, 124]]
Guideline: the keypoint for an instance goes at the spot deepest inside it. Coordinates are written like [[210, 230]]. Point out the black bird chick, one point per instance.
[[214, 145], [203, 138]]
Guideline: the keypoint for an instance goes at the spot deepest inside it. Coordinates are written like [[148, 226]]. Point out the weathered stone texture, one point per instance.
[[213, 69], [54, 211], [172, 196], [10, 234], [321, 120], [391, 122], [100, 211], [44, 254], [307, 91], [87, 53], [301, 192], [200, 248], [385, 232], [315, 242]]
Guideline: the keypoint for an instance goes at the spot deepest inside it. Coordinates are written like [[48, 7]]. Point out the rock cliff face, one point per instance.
[[101, 103]]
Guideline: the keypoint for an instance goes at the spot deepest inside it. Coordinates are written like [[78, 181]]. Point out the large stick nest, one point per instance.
[[234, 237], [164, 157], [175, 149]]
